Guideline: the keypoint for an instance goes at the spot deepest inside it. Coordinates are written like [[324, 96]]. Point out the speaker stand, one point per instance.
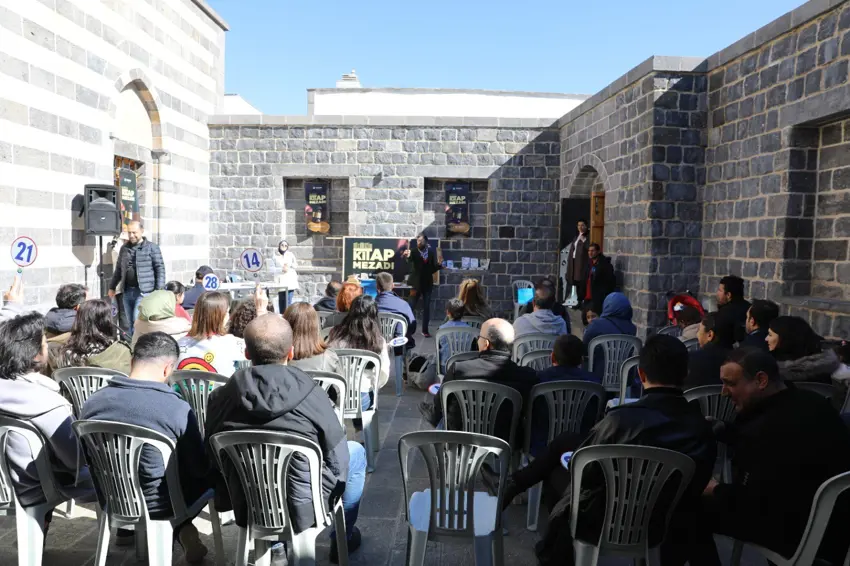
[[100, 273]]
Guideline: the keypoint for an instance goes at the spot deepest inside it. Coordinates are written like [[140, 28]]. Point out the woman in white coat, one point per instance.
[[289, 278]]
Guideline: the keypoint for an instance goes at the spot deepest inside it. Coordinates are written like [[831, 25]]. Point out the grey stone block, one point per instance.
[[30, 157]]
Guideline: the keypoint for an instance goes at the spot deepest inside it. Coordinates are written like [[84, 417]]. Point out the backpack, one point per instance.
[[423, 371]]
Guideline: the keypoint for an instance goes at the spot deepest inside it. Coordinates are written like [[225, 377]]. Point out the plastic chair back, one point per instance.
[[712, 403], [330, 319], [325, 333], [389, 323], [261, 460], [78, 384], [196, 386], [353, 365], [330, 381], [43, 465], [453, 460], [473, 321], [531, 342], [823, 389], [480, 402], [459, 338], [567, 403], [462, 357], [670, 330], [635, 477], [616, 349], [629, 367], [692, 345], [537, 359]]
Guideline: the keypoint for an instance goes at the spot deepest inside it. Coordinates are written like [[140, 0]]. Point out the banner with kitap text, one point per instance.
[[317, 210], [457, 208]]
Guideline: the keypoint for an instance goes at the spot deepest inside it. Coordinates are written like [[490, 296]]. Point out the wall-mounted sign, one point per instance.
[[129, 197], [317, 210], [457, 208], [370, 256]]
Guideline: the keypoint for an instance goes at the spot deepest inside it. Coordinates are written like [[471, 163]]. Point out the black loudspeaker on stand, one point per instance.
[[102, 215]]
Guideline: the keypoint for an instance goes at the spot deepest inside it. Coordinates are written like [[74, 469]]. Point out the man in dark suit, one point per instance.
[[423, 265], [731, 311], [759, 317], [493, 364]]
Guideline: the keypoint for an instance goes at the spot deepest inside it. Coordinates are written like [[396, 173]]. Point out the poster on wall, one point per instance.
[[369, 256], [126, 180], [457, 208], [317, 210]]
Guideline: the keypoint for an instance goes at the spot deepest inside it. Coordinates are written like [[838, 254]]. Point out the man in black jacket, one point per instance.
[[191, 296], [786, 442], [661, 418], [731, 311], [140, 269], [423, 265], [274, 396], [492, 364], [328, 302], [598, 276], [759, 317], [704, 363]]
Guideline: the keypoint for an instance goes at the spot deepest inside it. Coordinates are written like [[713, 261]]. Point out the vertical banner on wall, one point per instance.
[[457, 207], [317, 210], [126, 181]]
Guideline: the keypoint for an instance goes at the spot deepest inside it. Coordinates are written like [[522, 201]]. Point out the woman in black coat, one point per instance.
[[797, 349]]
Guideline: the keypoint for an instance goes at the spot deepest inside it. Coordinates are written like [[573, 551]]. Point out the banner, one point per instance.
[[317, 211], [370, 256], [129, 197], [457, 208]]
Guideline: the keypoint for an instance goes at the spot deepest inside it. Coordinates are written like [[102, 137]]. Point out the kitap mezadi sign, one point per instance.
[[369, 256]]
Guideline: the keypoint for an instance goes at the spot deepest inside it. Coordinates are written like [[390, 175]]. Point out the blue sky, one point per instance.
[[276, 49]]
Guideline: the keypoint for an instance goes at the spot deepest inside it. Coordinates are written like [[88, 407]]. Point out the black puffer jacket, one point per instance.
[[283, 399], [150, 269], [59, 321]]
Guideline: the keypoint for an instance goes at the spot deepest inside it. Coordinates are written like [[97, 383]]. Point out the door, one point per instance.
[[597, 218]]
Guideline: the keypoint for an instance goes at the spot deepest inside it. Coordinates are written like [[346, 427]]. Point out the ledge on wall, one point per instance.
[[816, 303], [447, 121]]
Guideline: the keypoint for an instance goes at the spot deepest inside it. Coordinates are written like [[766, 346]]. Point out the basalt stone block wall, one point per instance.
[[256, 168]]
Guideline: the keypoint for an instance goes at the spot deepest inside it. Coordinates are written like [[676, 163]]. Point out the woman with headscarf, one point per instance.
[[289, 278], [797, 349]]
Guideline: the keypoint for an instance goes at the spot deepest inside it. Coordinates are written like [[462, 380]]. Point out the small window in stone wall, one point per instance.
[[457, 246], [313, 249]]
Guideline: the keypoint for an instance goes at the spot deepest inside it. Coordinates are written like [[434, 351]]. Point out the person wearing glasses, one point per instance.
[[493, 364]]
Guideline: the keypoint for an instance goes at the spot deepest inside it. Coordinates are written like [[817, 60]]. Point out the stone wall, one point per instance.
[[385, 163]]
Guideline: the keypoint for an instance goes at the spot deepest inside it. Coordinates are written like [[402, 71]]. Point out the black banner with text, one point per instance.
[[317, 211], [457, 208], [127, 180], [370, 256]]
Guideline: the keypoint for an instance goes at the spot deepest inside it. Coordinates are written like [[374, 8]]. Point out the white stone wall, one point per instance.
[[63, 67]]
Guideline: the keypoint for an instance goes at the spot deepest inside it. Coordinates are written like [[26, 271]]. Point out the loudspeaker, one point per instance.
[[102, 210]]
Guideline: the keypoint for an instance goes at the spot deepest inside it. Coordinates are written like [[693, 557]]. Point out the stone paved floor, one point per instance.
[[72, 542]]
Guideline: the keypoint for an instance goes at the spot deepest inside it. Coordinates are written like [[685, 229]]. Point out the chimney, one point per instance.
[[349, 80]]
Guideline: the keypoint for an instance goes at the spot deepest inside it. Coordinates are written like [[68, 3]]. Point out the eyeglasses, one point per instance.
[[479, 337]]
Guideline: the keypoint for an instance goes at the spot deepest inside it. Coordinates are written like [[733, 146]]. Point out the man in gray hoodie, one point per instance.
[[541, 320]]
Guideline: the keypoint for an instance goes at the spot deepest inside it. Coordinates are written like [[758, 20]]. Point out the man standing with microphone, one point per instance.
[[423, 265]]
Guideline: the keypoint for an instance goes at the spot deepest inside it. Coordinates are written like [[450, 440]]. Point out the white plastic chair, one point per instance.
[[29, 521], [113, 451], [538, 360], [819, 516], [634, 478], [626, 370], [325, 333], [479, 403], [462, 357], [261, 460], [459, 338], [670, 330], [531, 342], [328, 381], [567, 403], [714, 404], [692, 345], [330, 319], [353, 365], [616, 349], [516, 286], [473, 321], [389, 324], [823, 389], [451, 507], [195, 387], [77, 384]]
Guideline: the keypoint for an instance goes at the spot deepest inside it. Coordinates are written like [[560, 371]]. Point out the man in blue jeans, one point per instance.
[[140, 269], [274, 396]]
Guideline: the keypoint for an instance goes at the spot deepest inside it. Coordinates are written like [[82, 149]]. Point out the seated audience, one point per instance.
[[542, 319], [93, 341], [704, 364], [346, 296], [145, 399], [557, 308], [661, 418], [328, 302], [731, 311], [361, 330], [30, 396], [454, 314], [274, 396], [158, 313], [770, 496], [474, 301], [389, 302], [493, 364], [59, 320], [241, 315], [759, 317], [567, 357], [309, 351], [179, 291], [688, 319], [797, 349], [616, 318], [208, 346], [190, 298], [590, 311]]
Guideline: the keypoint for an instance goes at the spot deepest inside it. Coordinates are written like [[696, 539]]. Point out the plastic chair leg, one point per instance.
[[69, 509], [242, 547], [498, 549], [417, 541], [585, 554], [160, 535], [370, 438], [262, 552], [103, 534], [304, 548], [399, 369], [341, 538], [30, 526], [737, 552], [483, 547], [533, 507], [141, 540], [219, 543]]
